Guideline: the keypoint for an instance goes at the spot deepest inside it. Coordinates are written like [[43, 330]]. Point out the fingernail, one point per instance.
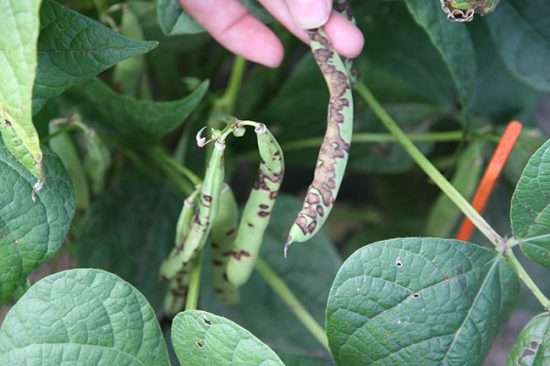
[[310, 13]]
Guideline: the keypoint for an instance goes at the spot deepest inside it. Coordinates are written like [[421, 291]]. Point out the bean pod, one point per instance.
[[258, 208], [333, 157], [174, 301], [203, 218], [224, 232]]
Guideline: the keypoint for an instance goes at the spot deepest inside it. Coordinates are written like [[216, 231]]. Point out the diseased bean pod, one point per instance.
[[204, 216], [344, 8], [182, 229], [224, 232], [333, 157], [174, 302], [464, 10], [258, 208]]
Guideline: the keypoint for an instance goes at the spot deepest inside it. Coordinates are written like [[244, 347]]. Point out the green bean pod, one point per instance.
[[258, 208], [224, 232], [97, 160], [63, 145], [333, 156], [203, 218]]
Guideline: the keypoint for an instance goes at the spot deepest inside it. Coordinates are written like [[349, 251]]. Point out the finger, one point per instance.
[[238, 31], [346, 38], [308, 14]]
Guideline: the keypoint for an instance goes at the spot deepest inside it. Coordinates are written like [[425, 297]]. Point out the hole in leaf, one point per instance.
[[398, 262], [200, 345], [206, 321], [416, 296]]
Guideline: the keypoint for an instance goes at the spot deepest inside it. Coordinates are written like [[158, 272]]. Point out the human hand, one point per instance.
[[238, 31]]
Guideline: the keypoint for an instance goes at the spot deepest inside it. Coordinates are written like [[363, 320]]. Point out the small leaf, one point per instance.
[[532, 346], [31, 232], [204, 339], [82, 317], [136, 122], [453, 43], [117, 223], [530, 212], [73, 48], [521, 31], [19, 29], [419, 301]]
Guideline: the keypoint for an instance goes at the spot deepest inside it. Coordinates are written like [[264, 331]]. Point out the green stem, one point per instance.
[[169, 160], [301, 313], [315, 142], [160, 159], [194, 284], [431, 170], [227, 102], [527, 280]]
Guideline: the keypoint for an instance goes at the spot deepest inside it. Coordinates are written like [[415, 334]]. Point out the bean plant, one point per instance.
[[214, 213]]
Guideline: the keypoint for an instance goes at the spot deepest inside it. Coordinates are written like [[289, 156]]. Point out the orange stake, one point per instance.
[[490, 177]]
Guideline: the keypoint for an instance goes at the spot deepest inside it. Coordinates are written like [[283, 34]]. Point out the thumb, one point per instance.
[[309, 14]]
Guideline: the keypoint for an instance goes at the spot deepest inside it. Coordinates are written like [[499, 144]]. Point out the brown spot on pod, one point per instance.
[[230, 232], [241, 254], [207, 198], [217, 263], [218, 291], [263, 213], [249, 224], [225, 278], [215, 245], [263, 206], [227, 253]]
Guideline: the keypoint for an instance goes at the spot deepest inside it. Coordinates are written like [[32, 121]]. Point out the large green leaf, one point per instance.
[[137, 122], [419, 301], [521, 31], [500, 95], [453, 43], [204, 339], [82, 317], [532, 346], [19, 29], [31, 232], [118, 224], [530, 212], [174, 21], [73, 48], [308, 271]]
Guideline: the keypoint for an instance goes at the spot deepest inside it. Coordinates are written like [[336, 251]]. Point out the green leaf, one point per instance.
[[453, 43], [444, 214], [136, 122], [532, 346], [419, 301], [174, 21], [73, 48], [204, 339], [19, 29], [308, 273], [521, 31], [82, 317], [31, 232], [500, 95], [530, 212], [117, 224]]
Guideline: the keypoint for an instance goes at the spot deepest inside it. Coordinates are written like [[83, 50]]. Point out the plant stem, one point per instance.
[[194, 284], [431, 170], [160, 158], [301, 313], [227, 102], [527, 280]]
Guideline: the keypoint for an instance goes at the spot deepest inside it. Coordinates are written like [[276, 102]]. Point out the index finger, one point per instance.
[[232, 26]]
